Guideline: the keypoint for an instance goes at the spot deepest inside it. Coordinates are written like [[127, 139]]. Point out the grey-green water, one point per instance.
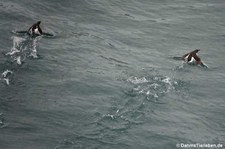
[[107, 80]]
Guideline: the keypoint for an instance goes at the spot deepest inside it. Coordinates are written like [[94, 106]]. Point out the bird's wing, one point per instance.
[[39, 29], [196, 58]]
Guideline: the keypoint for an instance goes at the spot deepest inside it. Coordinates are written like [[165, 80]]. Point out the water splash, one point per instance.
[[6, 75], [136, 80], [23, 47], [152, 87]]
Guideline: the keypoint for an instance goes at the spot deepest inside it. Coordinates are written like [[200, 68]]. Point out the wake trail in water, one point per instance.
[[23, 47]]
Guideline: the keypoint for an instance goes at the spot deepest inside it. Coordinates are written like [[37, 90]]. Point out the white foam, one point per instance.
[[33, 49], [12, 52], [137, 88], [18, 60], [6, 81], [110, 115], [141, 91], [33, 55], [17, 41], [5, 73], [148, 92], [167, 80], [156, 96], [136, 80], [155, 85]]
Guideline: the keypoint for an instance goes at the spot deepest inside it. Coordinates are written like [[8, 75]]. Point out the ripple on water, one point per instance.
[[3, 124], [130, 109]]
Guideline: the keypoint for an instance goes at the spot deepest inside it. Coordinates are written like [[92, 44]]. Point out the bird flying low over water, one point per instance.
[[191, 58]]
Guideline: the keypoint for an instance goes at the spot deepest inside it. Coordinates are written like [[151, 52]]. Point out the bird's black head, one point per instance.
[[39, 22], [197, 50]]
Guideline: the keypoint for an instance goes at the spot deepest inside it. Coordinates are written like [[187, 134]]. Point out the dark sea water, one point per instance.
[[106, 79]]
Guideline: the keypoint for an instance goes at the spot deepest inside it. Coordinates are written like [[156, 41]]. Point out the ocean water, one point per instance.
[[106, 79]]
